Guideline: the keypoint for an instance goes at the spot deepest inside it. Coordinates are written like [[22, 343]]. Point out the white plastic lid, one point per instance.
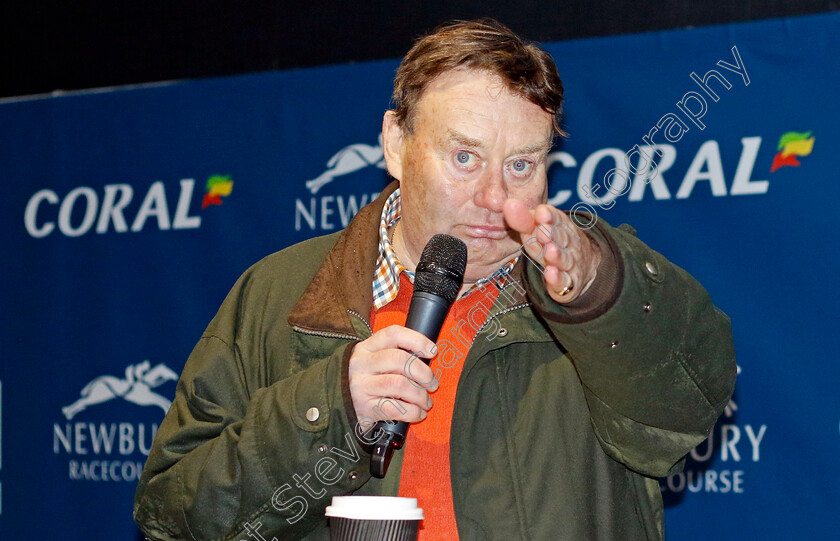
[[374, 508]]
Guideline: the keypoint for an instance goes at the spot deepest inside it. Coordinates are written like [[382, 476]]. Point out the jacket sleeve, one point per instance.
[[240, 445], [656, 359]]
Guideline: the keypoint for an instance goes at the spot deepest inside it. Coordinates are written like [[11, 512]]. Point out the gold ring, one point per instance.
[[568, 289]]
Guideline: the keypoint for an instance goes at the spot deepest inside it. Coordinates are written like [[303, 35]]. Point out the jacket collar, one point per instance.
[[344, 283], [345, 280]]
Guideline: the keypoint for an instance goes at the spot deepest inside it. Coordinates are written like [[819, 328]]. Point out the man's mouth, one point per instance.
[[495, 232]]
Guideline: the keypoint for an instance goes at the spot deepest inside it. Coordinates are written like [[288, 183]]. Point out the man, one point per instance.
[[569, 381]]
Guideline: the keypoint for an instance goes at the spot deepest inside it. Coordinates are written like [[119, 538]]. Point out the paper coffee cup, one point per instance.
[[373, 518]]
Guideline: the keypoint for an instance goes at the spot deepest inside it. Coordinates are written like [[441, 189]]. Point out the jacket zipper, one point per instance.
[[358, 315], [503, 312], [324, 334]]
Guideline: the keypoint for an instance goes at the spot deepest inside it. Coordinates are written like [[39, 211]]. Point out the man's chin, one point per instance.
[[480, 265]]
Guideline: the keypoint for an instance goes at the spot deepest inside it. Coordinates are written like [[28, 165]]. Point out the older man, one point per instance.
[[569, 380]]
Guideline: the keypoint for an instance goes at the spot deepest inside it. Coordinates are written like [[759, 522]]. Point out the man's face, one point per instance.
[[474, 145]]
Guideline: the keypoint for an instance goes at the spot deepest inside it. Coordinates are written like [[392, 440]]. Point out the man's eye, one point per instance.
[[520, 166], [464, 158]]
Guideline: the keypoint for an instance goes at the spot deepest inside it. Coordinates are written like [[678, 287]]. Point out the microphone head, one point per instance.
[[441, 268]]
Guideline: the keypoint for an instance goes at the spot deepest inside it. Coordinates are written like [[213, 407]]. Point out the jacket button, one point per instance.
[[322, 448], [647, 307], [353, 476], [651, 268], [312, 414], [502, 332], [614, 344]]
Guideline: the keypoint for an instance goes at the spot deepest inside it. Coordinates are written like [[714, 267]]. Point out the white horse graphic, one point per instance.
[[347, 160], [135, 388]]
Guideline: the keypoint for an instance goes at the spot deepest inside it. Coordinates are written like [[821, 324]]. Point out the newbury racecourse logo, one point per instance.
[[135, 388], [111, 451], [320, 212], [348, 160]]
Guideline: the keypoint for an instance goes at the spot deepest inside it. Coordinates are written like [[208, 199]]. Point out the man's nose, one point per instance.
[[491, 192]]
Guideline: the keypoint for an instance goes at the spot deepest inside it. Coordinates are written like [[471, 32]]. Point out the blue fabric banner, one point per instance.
[[130, 212]]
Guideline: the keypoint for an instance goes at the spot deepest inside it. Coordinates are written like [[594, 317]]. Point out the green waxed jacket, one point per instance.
[[563, 419]]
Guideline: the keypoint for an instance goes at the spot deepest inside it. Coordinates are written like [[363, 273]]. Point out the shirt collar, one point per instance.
[[386, 280]]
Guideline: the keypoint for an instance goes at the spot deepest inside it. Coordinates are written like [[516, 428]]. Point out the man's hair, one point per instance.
[[484, 45]]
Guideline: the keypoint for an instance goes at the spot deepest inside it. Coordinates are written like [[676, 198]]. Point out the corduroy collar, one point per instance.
[[344, 281]]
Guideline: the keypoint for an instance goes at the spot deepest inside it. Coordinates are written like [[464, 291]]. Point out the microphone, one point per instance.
[[437, 280]]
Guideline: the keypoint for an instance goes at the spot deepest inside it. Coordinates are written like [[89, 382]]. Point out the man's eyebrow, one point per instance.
[[542, 147], [459, 138]]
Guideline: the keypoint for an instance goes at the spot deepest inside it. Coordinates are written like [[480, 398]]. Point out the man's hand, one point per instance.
[[381, 373], [569, 259]]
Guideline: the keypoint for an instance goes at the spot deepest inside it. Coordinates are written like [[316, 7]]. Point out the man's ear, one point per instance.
[[392, 144]]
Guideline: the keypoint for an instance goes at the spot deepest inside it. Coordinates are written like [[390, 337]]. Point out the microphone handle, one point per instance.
[[426, 315]]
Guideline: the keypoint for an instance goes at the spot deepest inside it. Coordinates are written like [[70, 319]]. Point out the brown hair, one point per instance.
[[486, 45]]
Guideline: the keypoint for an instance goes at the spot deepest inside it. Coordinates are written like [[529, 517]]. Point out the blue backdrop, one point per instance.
[[130, 212]]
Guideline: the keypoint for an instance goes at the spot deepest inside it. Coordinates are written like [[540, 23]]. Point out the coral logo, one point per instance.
[[218, 186], [791, 145], [135, 388]]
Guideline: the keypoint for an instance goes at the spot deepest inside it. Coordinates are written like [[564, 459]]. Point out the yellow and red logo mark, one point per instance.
[[218, 186], [791, 145]]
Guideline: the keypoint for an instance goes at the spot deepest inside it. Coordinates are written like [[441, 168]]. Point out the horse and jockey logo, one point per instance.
[[348, 160], [135, 388]]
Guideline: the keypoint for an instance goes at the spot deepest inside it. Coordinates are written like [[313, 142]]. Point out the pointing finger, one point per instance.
[[518, 216]]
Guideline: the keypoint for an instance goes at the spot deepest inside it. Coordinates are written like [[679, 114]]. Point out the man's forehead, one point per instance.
[[465, 81], [470, 106]]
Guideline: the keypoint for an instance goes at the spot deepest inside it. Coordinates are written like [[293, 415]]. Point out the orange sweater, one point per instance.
[[425, 468]]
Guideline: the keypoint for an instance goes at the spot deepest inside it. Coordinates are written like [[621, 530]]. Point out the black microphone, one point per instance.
[[437, 280]]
